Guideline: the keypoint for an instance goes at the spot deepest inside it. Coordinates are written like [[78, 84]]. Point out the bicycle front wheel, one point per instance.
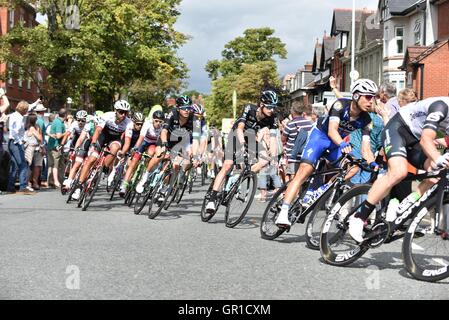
[[92, 189], [426, 247], [160, 191], [268, 228], [241, 198], [336, 245]]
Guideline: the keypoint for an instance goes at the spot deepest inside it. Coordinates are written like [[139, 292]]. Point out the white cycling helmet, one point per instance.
[[81, 115], [197, 108], [364, 87], [122, 105]]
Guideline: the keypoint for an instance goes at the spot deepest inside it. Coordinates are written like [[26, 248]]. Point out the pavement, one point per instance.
[[53, 250]]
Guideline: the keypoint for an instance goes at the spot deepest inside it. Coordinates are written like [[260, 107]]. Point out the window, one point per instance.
[[417, 32], [11, 18], [409, 79], [29, 80], [386, 41], [20, 80], [10, 72], [399, 34]]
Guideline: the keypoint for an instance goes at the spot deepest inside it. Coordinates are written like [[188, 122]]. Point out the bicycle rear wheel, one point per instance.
[[92, 189], [336, 245], [241, 198], [205, 216], [142, 199], [425, 249], [116, 182]]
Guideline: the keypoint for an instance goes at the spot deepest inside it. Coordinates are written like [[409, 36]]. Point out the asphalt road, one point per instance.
[[51, 250]]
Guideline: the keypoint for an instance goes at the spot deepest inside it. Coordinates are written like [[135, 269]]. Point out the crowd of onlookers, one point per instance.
[[31, 154]]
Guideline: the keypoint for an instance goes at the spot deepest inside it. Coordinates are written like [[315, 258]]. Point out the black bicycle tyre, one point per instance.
[[253, 177], [141, 200], [413, 268], [263, 222], [90, 195], [116, 182], [154, 197], [205, 216], [326, 242]]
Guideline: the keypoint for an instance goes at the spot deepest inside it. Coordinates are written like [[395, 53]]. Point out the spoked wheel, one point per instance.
[[183, 187], [203, 174], [241, 198], [336, 245], [116, 183], [191, 179], [67, 169], [73, 188], [159, 196], [92, 189], [426, 244], [268, 228], [206, 216], [142, 199], [173, 190], [317, 218]]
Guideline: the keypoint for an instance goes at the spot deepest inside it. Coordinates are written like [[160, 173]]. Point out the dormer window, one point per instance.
[[417, 32]]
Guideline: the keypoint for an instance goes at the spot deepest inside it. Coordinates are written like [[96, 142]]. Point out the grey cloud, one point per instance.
[[213, 23]]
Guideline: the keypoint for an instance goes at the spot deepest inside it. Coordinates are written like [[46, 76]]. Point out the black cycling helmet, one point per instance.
[[158, 114], [269, 98], [183, 101]]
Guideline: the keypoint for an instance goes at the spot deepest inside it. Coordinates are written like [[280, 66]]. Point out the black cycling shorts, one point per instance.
[[399, 141], [84, 149]]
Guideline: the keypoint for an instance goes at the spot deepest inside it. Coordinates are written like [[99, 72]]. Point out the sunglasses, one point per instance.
[[185, 108], [122, 112], [269, 107], [139, 124], [82, 121], [369, 97], [159, 121]]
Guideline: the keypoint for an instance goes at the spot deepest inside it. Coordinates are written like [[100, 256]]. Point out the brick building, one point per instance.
[[19, 84], [427, 67]]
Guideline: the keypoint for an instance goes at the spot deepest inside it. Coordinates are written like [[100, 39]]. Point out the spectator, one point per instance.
[[42, 177], [33, 149], [299, 123], [406, 96], [387, 94], [57, 131], [4, 106], [15, 145]]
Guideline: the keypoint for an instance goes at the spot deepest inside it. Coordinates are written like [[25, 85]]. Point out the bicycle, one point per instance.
[[67, 168], [93, 181], [131, 191], [118, 176], [239, 189], [423, 221], [319, 208]]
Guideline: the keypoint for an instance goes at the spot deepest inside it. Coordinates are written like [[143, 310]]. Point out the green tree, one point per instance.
[[256, 45], [119, 44]]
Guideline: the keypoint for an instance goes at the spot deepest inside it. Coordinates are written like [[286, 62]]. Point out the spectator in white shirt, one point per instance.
[[15, 145], [4, 106]]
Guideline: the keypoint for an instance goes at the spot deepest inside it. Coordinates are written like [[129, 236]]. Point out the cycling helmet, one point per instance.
[[158, 115], [183, 101], [138, 117], [81, 115], [122, 105], [364, 87], [269, 98], [197, 108]]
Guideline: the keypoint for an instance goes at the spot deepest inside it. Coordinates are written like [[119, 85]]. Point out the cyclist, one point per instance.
[[199, 115], [409, 136], [108, 132], [178, 133], [147, 142], [254, 118], [345, 116], [77, 136], [138, 120]]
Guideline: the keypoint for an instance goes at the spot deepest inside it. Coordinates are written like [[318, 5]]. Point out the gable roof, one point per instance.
[[342, 19], [327, 51], [317, 57], [412, 53], [402, 7]]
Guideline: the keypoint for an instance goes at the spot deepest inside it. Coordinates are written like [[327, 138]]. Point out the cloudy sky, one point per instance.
[[213, 23]]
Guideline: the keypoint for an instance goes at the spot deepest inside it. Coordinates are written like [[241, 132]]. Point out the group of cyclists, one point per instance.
[[415, 135]]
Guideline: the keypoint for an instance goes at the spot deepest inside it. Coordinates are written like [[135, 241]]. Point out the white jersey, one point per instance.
[[109, 124], [427, 114], [150, 133], [75, 128]]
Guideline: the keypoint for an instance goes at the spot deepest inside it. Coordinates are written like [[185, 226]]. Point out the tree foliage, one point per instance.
[[248, 66], [120, 45]]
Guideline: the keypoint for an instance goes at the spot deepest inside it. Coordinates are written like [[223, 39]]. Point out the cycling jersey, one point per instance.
[[177, 133], [319, 141], [249, 118], [431, 113], [150, 133], [89, 128], [340, 112], [113, 129], [75, 133], [134, 137]]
